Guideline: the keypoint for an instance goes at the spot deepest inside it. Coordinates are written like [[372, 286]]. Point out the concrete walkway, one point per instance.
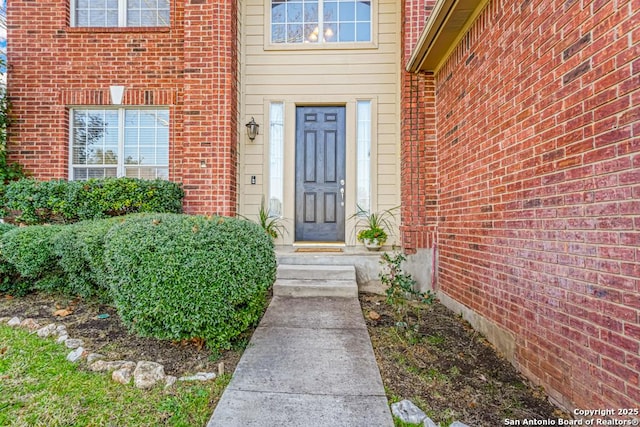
[[309, 363]]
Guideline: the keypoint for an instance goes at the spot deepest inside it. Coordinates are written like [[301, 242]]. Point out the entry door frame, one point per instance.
[[320, 188], [290, 104]]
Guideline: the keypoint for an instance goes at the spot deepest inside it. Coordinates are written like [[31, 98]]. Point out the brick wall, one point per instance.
[[538, 149], [189, 67], [418, 149], [414, 15]]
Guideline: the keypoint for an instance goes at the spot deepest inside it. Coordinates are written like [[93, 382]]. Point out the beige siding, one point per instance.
[[297, 75]]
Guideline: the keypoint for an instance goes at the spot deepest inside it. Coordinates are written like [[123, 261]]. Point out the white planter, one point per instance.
[[372, 244]]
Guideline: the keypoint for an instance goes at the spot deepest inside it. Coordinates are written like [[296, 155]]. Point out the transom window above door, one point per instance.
[[320, 21]]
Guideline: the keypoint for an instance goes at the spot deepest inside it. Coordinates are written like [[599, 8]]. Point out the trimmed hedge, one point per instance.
[[179, 277], [59, 201], [170, 276], [79, 249], [8, 275], [30, 251], [4, 227]]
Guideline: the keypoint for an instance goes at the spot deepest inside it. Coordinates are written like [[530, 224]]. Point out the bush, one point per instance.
[[8, 274], [80, 254], [401, 288], [4, 227], [60, 201], [180, 277], [30, 251], [9, 171]]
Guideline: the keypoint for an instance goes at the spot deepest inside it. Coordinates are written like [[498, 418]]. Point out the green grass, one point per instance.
[[435, 340], [38, 387], [397, 422]]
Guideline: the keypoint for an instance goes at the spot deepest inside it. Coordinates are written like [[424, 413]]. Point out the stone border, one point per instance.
[[144, 374]]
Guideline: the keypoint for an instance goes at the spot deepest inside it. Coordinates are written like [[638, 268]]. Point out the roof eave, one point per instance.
[[448, 22]]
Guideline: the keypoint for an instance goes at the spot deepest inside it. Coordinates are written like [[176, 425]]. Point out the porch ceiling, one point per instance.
[[444, 28]]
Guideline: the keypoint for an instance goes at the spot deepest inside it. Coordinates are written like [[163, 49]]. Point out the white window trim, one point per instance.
[[363, 162], [269, 45], [120, 166], [122, 15], [120, 171], [279, 151]]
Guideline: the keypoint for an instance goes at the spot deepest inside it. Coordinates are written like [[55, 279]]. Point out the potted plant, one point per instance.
[[271, 224], [373, 234]]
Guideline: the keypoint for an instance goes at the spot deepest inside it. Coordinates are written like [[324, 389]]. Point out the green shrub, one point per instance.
[[30, 251], [79, 249], [8, 274], [59, 201], [9, 171], [180, 277], [4, 227], [400, 289]]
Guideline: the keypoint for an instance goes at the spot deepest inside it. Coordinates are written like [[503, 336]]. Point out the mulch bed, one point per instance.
[[449, 370], [110, 337]]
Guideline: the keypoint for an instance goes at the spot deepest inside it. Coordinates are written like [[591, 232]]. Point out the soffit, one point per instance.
[[448, 22]]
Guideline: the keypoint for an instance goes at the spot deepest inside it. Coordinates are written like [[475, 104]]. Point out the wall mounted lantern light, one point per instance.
[[252, 129]]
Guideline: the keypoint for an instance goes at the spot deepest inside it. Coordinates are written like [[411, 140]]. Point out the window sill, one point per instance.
[[320, 46], [93, 30]]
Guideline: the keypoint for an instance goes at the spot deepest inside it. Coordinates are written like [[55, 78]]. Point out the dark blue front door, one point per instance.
[[320, 174]]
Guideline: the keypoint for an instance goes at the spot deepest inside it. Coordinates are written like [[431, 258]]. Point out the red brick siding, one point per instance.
[[538, 155], [188, 67], [418, 149], [210, 106], [418, 162], [415, 13]]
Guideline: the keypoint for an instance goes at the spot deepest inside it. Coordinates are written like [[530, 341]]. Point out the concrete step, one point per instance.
[[315, 288], [316, 281], [316, 272]]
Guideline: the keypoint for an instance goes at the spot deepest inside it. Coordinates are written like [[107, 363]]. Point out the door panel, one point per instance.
[[320, 173]]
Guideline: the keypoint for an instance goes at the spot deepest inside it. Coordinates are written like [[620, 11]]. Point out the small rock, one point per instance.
[[93, 357], [61, 330], [169, 381], [122, 375], [4, 319], [75, 355], [62, 338], [428, 422], [104, 366], [147, 374], [373, 315], [408, 412], [14, 321], [73, 343], [46, 331], [458, 424], [30, 324], [221, 368], [199, 376]]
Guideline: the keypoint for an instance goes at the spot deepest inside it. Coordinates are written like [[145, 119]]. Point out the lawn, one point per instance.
[[39, 387]]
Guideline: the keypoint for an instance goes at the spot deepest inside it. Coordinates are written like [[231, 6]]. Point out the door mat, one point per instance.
[[318, 250]]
